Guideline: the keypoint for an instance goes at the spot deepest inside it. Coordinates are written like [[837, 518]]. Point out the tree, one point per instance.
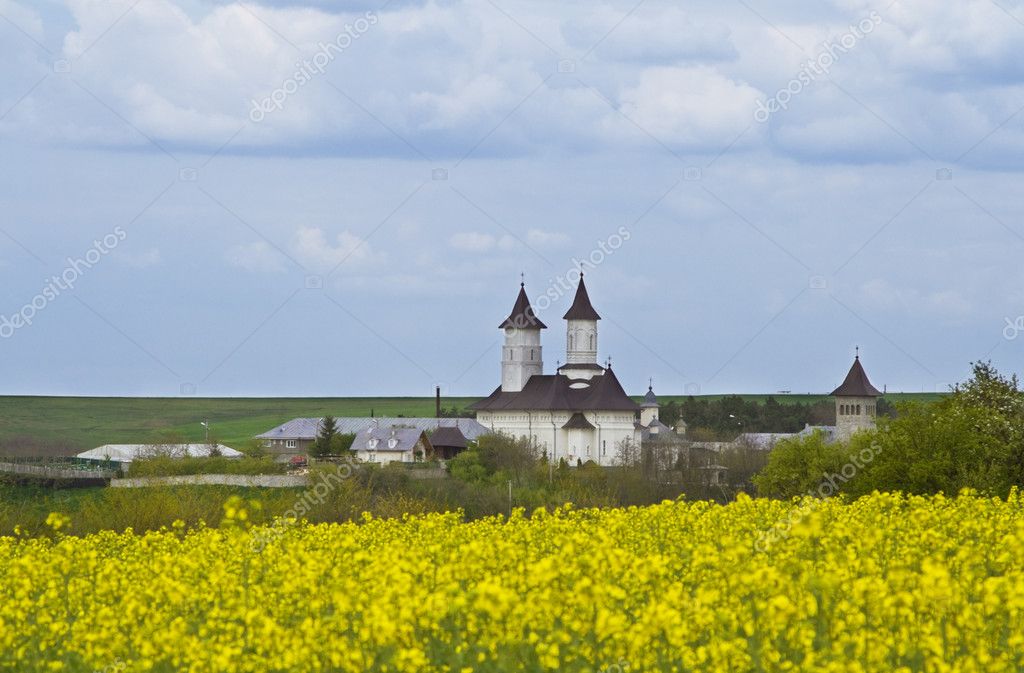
[[627, 454], [325, 437], [800, 466]]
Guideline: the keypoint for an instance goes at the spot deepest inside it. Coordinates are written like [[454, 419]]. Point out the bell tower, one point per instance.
[[521, 356], [856, 402], [581, 337]]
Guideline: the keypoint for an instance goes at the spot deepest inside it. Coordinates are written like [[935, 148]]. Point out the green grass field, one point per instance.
[[86, 422]]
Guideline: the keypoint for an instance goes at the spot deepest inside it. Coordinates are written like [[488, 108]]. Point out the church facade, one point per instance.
[[579, 413]]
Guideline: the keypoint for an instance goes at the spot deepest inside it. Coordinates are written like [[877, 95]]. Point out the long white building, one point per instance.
[[581, 412]]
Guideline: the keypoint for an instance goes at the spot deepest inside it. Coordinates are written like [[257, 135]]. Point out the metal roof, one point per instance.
[[388, 439], [307, 428], [556, 392], [650, 399], [578, 422], [522, 316], [856, 383], [581, 308], [126, 453], [448, 437]]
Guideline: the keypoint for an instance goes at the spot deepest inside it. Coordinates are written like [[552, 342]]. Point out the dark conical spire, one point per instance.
[[581, 308], [522, 316], [856, 383]]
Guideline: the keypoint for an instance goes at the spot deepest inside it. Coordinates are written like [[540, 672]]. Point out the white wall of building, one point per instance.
[[600, 445], [581, 342], [522, 356]]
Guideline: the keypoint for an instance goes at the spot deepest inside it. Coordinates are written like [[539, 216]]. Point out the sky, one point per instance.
[[304, 198]]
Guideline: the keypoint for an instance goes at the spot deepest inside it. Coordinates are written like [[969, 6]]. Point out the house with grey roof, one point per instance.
[[391, 445], [295, 437]]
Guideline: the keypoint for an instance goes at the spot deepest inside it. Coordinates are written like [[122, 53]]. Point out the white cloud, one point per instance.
[[654, 33], [444, 76], [257, 256], [312, 248], [477, 242], [693, 106]]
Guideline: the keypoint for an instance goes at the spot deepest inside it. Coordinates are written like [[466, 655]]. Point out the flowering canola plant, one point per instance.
[[886, 583]]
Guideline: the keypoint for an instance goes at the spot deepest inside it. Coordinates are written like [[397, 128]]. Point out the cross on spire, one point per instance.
[[857, 356], [522, 279]]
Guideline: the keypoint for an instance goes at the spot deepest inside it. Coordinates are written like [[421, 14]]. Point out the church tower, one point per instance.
[[649, 409], [581, 337], [522, 356], [856, 400]]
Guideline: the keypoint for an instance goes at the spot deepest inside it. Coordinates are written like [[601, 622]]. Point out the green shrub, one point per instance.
[[165, 466]]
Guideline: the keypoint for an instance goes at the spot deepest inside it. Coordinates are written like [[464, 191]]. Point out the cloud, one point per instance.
[[257, 256], [477, 242], [312, 248], [447, 78], [696, 107], [663, 34]]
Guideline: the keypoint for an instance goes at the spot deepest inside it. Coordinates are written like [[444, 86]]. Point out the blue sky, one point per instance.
[[313, 198]]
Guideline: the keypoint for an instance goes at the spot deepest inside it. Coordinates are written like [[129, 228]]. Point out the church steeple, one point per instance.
[[581, 330], [581, 308], [522, 356], [649, 409], [523, 315]]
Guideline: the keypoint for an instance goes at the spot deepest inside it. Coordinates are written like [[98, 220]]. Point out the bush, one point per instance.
[[165, 466], [799, 465]]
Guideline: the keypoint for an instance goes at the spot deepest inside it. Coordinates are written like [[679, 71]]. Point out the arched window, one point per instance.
[[858, 410], [531, 354], [591, 342]]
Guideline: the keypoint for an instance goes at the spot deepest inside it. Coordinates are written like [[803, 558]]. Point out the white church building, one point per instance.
[[579, 413]]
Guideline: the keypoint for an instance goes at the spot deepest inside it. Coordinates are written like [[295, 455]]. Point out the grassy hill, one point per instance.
[[87, 422], [81, 423]]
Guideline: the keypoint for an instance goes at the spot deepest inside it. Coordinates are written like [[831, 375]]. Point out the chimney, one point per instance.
[[438, 404]]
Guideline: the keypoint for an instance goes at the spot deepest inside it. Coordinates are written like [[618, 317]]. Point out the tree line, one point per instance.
[[726, 417]]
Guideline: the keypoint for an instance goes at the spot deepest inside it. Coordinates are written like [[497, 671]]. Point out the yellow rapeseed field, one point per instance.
[[888, 583]]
